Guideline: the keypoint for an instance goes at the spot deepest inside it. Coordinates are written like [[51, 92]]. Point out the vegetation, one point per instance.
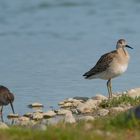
[[108, 128], [118, 101], [123, 126]]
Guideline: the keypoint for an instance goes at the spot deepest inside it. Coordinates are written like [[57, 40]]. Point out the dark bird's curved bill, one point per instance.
[[12, 107], [128, 46]]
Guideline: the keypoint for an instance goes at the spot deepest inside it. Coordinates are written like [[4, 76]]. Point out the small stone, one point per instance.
[[81, 98], [3, 125], [69, 118], [49, 114], [39, 126], [22, 118], [93, 103], [62, 111], [99, 97], [37, 116], [103, 112], [61, 103], [86, 118], [65, 105], [35, 105], [13, 116], [115, 110], [29, 114], [133, 93], [84, 108]]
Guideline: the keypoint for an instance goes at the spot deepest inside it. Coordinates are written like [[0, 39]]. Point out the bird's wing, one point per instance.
[[102, 64]]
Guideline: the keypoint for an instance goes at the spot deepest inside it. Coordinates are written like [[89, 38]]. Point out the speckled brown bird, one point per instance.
[[111, 65]]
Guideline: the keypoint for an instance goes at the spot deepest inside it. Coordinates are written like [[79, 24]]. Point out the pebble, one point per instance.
[[69, 118], [62, 111], [134, 92], [3, 125], [35, 105], [37, 116], [115, 110], [99, 97], [86, 118], [49, 114], [103, 112], [13, 116]]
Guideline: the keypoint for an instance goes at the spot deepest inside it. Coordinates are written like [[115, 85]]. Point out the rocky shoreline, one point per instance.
[[72, 110]]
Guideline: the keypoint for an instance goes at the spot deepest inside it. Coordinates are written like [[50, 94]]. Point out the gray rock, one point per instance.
[[35, 105], [84, 108], [99, 97], [103, 112], [86, 118], [115, 110], [69, 118], [3, 125], [37, 116], [49, 114], [133, 92], [62, 111], [39, 126], [54, 121], [81, 98]]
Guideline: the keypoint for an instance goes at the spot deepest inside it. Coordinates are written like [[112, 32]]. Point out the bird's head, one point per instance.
[[121, 43]]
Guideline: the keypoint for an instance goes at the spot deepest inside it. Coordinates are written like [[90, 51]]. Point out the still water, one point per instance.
[[46, 46]]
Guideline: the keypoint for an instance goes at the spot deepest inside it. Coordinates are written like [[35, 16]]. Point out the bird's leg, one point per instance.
[[1, 113], [109, 87], [12, 107]]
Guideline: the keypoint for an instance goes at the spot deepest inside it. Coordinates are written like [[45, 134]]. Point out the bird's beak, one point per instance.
[[128, 46], [12, 107]]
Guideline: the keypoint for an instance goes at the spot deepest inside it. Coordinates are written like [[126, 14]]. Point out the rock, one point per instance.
[[115, 110], [54, 121], [86, 118], [84, 108], [29, 114], [62, 111], [13, 116], [49, 114], [69, 118], [23, 121], [103, 112], [22, 118], [3, 125], [35, 105], [93, 103], [81, 98], [37, 116], [69, 103], [99, 97], [134, 92], [39, 126], [61, 103]]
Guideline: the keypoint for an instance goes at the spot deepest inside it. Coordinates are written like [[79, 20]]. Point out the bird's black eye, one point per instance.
[[120, 42]]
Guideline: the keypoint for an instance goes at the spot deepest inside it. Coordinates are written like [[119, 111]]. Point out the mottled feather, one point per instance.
[[102, 64]]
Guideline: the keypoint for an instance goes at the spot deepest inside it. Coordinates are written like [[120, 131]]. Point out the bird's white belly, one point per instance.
[[114, 72], [111, 72]]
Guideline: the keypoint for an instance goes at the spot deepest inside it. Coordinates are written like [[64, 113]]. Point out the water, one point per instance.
[[46, 46]]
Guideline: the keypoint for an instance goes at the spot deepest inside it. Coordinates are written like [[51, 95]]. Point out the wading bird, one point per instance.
[[6, 97], [110, 65]]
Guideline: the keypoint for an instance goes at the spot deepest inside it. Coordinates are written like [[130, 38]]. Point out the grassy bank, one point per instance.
[[108, 128]]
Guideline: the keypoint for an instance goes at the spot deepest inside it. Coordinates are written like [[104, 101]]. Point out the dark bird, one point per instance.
[[6, 97]]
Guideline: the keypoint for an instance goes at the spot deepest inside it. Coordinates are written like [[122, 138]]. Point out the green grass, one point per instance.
[[107, 128], [122, 100], [123, 126]]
